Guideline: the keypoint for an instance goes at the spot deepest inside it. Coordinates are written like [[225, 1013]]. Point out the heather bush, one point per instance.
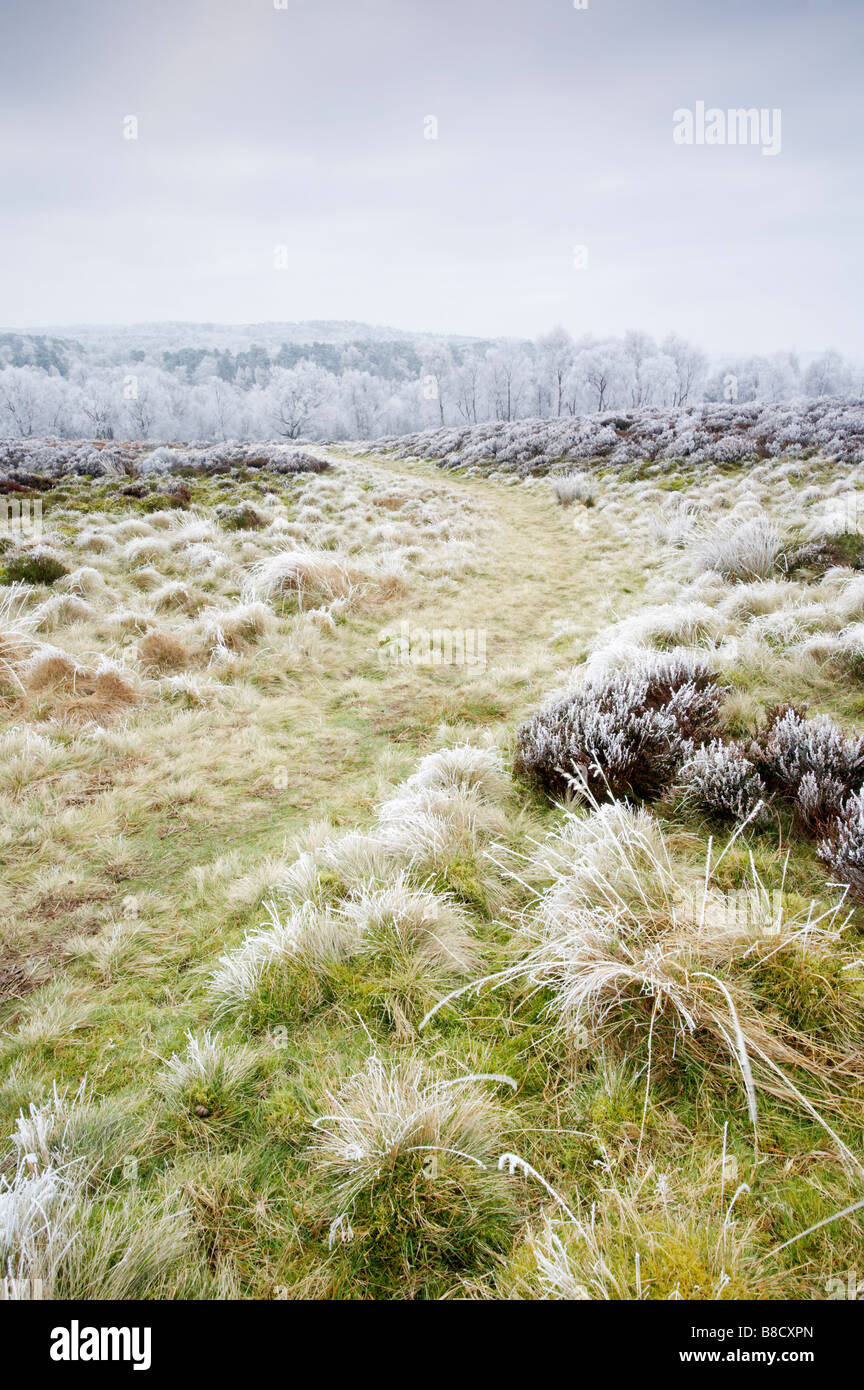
[[624, 734], [720, 780], [843, 847], [817, 557], [810, 761], [296, 462], [711, 430], [161, 460]]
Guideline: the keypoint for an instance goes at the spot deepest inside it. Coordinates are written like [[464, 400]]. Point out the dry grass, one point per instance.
[[746, 551], [163, 651], [308, 574], [243, 863]]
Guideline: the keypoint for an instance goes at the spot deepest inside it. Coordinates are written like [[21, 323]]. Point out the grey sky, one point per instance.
[[303, 128]]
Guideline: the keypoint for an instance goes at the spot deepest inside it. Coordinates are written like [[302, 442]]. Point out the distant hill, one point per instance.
[[153, 338]]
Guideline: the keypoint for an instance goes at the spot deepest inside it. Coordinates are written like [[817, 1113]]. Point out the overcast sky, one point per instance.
[[303, 128]]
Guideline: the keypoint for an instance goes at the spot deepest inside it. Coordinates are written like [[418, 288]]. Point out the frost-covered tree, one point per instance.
[[21, 390], [640, 351], [507, 375], [658, 379], [467, 385], [555, 356], [361, 403], [828, 375], [601, 375], [152, 384], [101, 407], [438, 372], [690, 367], [293, 397]]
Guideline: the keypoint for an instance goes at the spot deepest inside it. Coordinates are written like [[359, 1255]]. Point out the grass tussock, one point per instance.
[[304, 574], [413, 1187], [162, 651], [745, 551]]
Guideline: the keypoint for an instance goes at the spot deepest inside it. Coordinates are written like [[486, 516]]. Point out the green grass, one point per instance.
[[161, 826]]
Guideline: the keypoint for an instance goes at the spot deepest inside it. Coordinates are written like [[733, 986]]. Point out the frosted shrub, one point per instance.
[[810, 761], [721, 780], [161, 460], [710, 430], [840, 550], [624, 734], [295, 461], [843, 848]]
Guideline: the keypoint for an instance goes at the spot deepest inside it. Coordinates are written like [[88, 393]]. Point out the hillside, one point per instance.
[[654, 439], [345, 960]]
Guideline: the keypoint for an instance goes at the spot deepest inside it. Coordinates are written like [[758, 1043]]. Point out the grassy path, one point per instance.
[[122, 836], [136, 855]]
